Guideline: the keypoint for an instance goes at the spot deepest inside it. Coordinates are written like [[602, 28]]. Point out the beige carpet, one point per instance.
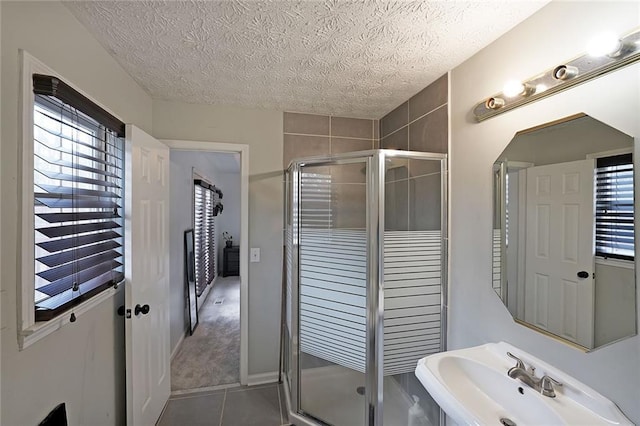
[[211, 356]]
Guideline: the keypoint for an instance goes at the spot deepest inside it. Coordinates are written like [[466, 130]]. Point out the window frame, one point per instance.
[[29, 331], [612, 260]]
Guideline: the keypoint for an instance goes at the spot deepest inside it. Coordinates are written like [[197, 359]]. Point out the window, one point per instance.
[[207, 205], [614, 207], [77, 198]]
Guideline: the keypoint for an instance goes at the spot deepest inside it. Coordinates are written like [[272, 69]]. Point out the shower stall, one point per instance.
[[365, 288]]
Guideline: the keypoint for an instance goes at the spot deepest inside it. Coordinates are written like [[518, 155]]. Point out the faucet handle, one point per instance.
[[519, 363], [547, 386]]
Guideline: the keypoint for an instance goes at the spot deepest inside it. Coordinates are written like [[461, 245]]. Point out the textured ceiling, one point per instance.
[[339, 57]]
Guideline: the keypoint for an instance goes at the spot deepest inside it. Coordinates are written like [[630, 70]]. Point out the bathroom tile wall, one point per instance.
[[413, 188], [308, 135], [421, 123]]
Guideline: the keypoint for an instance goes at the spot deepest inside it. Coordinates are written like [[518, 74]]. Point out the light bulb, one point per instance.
[[513, 88], [604, 44]]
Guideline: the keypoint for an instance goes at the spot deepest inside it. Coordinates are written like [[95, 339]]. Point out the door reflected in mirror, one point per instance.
[[563, 231]]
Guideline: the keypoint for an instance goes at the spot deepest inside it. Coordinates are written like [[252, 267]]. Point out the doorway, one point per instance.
[[212, 353]]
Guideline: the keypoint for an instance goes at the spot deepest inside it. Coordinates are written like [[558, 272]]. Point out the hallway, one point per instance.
[[211, 356]]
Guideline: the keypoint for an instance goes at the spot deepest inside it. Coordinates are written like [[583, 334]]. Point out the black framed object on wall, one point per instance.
[[190, 279]]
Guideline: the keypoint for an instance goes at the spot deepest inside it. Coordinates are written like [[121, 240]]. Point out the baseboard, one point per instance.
[[191, 392], [262, 378], [202, 299], [176, 347]]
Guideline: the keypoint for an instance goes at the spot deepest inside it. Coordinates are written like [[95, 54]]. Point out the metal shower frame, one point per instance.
[[375, 189]]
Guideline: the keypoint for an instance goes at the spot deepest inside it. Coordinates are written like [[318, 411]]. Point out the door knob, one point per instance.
[[583, 274], [144, 310]]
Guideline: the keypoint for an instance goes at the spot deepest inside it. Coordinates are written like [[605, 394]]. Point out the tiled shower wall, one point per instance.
[[310, 135], [421, 123], [413, 187]]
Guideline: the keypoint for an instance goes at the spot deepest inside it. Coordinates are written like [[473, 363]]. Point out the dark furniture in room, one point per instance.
[[231, 261]]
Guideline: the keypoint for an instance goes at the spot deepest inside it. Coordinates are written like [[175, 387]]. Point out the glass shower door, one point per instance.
[[414, 255], [332, 224]]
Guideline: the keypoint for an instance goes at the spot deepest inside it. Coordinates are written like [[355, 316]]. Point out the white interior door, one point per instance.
[[560, 249], [147, 277]]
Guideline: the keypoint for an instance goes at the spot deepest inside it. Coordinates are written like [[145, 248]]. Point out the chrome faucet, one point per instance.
[[544, 385]]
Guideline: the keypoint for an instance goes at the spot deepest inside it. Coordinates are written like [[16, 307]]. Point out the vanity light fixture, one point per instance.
[[605, 53]]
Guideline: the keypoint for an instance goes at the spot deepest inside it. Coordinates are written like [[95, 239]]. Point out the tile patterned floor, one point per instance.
[[262, 405]]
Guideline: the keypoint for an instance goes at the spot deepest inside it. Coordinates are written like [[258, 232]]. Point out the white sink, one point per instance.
[[472, 387]]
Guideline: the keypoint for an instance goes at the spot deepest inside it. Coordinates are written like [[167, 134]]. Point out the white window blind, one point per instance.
[[78, 193], [207, 205], [615, 207]]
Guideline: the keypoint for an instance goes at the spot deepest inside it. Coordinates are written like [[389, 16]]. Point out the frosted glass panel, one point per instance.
[[412, 286], [333, 296]]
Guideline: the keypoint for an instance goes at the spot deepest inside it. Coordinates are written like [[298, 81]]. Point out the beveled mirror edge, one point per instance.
[[550, 123], [555, 336]]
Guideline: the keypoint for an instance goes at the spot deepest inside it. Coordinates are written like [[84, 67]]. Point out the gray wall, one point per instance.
[[81, 364], [476, 314], [262, 131], [229, 220]]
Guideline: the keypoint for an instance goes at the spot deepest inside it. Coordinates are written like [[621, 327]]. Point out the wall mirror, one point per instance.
[[563, 231], [190, 280]]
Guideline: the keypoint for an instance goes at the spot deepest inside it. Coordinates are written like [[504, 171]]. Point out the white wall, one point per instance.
[[262, 131], [83, 363], [556, 33]]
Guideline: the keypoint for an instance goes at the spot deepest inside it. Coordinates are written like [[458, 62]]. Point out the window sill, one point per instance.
[[618, 263], [39, 330]]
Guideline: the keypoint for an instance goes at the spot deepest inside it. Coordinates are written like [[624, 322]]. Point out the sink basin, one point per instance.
[[472, 387]]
